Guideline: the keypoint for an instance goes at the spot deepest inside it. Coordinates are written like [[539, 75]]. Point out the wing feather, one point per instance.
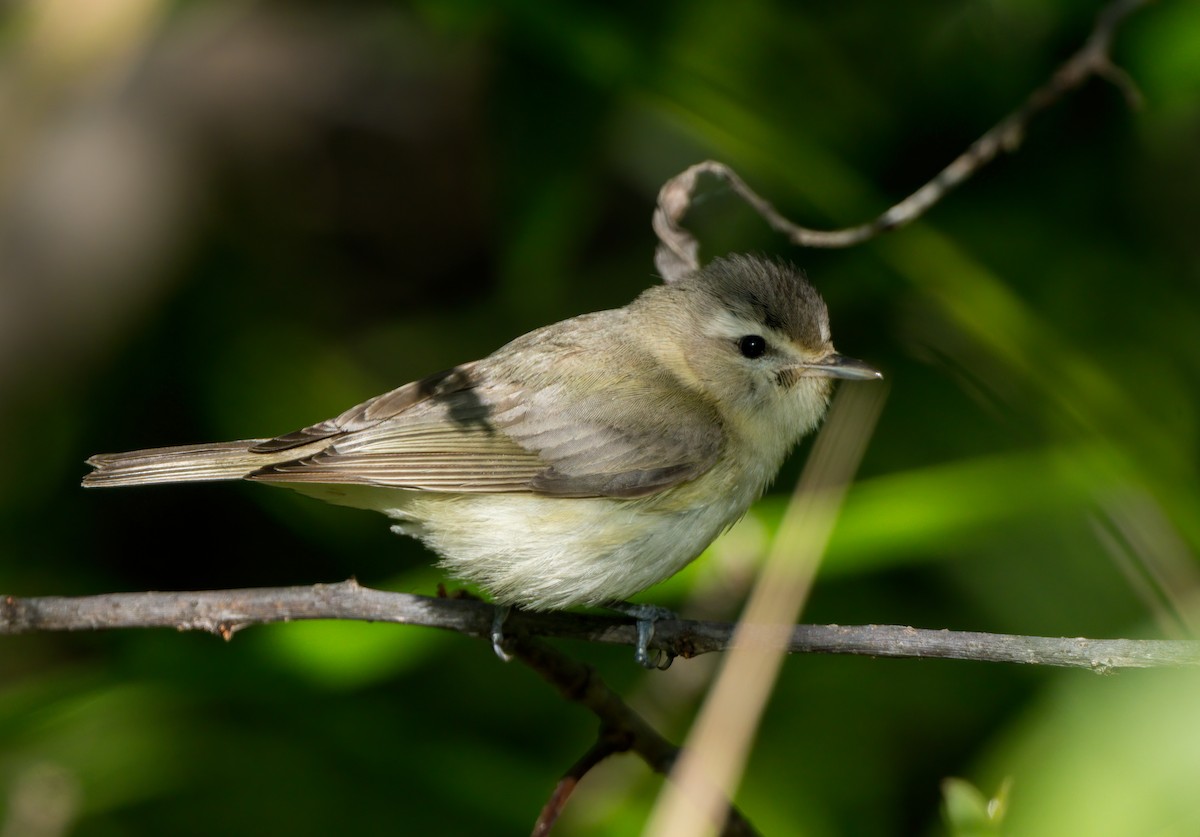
[[546, 420]]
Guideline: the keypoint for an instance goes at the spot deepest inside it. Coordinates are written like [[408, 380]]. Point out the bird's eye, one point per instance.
[[752, 346]]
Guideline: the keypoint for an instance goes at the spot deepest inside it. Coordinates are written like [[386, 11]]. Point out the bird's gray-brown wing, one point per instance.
[[431, 435], [481, 429]]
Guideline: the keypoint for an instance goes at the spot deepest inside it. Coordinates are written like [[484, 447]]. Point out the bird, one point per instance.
[[582, 462]]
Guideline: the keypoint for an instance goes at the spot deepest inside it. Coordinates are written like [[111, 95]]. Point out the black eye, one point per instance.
[[752, 346]]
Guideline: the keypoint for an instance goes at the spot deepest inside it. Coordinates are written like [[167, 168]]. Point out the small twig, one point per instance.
[[224, 612], [678, 250], [609, 743], [625, 729]]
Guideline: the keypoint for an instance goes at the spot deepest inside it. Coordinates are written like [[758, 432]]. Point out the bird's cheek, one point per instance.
[[787, 378], [811, 388]]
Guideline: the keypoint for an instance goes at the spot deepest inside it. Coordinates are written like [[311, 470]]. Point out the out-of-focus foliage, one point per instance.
[[221, 220]]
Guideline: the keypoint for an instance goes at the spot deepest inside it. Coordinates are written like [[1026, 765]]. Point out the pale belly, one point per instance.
[[547, 553]]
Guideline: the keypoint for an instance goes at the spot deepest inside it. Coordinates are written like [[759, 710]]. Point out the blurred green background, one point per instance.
[[224, 220]]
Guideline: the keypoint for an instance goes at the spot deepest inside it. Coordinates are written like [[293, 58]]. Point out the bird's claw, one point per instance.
[[499, 616], [646, 616]]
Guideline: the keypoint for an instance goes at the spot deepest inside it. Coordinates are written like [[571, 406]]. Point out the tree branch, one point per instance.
[[678, 250], [609, 743], [621, 728], [224, 612]]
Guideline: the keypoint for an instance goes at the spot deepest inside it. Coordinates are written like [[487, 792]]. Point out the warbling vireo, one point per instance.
[[582, 462]]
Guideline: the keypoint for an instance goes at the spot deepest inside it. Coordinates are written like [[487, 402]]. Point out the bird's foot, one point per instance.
[[646, 615], [499, 616]]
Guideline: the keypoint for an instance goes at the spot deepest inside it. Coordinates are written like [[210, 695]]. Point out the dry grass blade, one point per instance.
[[710, 766]]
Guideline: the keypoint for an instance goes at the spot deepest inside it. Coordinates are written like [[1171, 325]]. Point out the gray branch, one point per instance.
[[224, 612]]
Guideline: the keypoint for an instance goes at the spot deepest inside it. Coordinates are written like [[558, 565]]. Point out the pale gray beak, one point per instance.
[[840, 366]]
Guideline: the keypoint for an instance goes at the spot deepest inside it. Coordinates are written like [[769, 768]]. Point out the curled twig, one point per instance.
[[678, 250]]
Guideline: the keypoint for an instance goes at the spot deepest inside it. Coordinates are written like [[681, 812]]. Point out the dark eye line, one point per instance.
[[752, 346]]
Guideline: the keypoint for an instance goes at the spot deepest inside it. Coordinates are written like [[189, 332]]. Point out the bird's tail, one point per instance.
[[183, 463]]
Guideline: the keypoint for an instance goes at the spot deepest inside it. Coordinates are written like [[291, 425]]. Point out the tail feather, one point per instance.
[[183, 463]]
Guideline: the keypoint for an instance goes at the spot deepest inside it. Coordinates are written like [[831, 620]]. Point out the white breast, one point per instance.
[[549, 553]]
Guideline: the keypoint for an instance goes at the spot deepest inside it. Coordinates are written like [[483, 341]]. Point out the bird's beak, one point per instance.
[[840, 366]]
